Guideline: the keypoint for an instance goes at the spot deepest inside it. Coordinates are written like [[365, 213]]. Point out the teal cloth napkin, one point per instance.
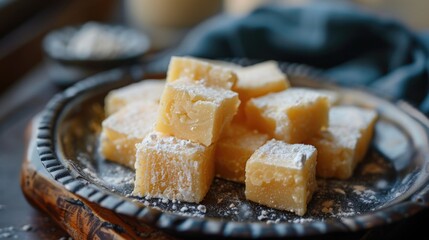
[[351, 46]]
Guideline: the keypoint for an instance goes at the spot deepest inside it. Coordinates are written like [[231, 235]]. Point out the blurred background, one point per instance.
[[24, 23], [26, 72]]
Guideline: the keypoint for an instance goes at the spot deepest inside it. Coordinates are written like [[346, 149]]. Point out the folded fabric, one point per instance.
[[351, 46]]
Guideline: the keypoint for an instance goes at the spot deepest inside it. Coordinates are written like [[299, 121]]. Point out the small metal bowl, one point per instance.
[[66, 66]]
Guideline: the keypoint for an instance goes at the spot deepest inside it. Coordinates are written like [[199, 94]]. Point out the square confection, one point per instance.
[[122, 130], [258, 80], [195, 112], [282, 176], [355, 118], [146, 90], [201, 71], [336, 150], [233, 149], [293, 115], [172, 168]]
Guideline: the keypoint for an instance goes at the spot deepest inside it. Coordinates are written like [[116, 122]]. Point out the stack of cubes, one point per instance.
[[176, 161]]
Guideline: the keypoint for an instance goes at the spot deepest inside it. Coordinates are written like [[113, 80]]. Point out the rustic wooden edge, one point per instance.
[[184, 225]]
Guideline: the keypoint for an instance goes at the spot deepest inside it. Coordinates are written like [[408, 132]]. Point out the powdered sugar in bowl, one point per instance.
[[76, 52]]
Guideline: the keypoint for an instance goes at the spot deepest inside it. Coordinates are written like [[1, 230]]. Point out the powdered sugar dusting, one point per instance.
[[365, 195], [146, 90], [141, 114], [216, 75], [216, 95], [279, 153], [202, 208], [160, 142], [332, 199], [170, 167], [341, 115], [289, 98], [300, 160], [275, 105]]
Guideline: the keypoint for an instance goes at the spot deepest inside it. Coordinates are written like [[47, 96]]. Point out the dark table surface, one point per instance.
[[19, 220]]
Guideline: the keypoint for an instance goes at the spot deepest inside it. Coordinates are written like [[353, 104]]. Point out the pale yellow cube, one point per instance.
[[258, 80], [293, 115], [146, 90], [124, 129], [336, 152], [204, 72], [195, 112], [172, 168], [233, 150], [355, 118], [282, 176]]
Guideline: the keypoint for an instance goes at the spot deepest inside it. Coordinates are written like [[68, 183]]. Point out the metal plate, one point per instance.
[[389, 185]]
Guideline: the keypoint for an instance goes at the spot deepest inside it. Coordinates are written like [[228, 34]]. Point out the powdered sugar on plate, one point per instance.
[[226, 200], [363, 193]]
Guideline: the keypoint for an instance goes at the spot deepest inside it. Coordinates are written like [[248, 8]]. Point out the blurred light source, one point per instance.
[[166, 21], [413, 12], [242, 7]]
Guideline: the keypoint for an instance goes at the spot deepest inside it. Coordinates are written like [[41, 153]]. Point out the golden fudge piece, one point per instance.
[[124, 129], [147, 90], [204, 72], [195, 112], [293, 115], [258, 80], [233, 150], [172, 168], [336, 148], [282, 176], [355, 118]]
